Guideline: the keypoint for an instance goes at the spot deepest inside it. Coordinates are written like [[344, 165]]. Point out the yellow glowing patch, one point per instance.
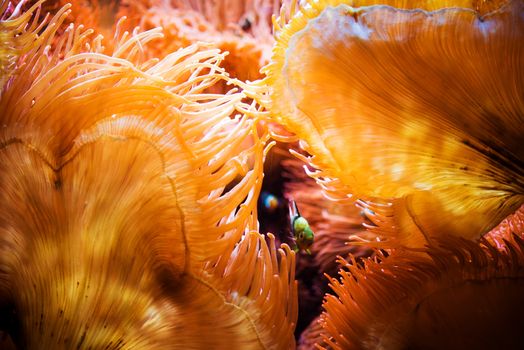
[[395, 109]]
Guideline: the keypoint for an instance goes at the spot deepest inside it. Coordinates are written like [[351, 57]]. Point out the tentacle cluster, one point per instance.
[[122, 222], [395, 109], [438, 300], [349, 78]]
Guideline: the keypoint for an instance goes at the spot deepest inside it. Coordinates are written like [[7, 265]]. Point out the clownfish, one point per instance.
[[302, 232]]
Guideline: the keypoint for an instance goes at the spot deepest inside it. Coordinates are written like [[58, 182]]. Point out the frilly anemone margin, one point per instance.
[[464, 295], [116, 228], [379, 133]]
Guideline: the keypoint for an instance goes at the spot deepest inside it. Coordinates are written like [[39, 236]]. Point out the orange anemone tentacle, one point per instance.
[[394, 110]]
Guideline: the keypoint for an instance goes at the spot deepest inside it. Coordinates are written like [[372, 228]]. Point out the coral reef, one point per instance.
[[401, 107], [463, 296], [147, 164], [116, 230]]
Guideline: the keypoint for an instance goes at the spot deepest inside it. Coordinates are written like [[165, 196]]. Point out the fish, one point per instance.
[[270, 202], [299, 226]]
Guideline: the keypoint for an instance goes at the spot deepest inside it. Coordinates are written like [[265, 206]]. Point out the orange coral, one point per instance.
[[17, 35], [129, 189], [116, 230], [405, 108], [464, 295], [395, 111], [102, 15], [242, 28]]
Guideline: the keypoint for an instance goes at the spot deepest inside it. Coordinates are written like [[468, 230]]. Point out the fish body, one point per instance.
[[270, 202], [299, 226]]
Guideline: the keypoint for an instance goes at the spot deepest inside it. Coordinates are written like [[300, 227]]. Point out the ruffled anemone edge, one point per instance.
[[55, 110]]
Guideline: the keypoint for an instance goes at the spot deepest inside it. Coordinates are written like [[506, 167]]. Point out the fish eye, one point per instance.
[[301, 235]]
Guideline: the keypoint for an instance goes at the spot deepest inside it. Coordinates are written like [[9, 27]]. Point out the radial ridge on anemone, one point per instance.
[[416, 109], [121, 222], [460, 295], [135, 153]]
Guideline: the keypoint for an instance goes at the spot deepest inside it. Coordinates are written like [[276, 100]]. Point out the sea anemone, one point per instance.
[[414, 108], [17, 35], [241, 28], [131, 167], [116, 228], [414, 111], [461, 295], [101, 15]]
